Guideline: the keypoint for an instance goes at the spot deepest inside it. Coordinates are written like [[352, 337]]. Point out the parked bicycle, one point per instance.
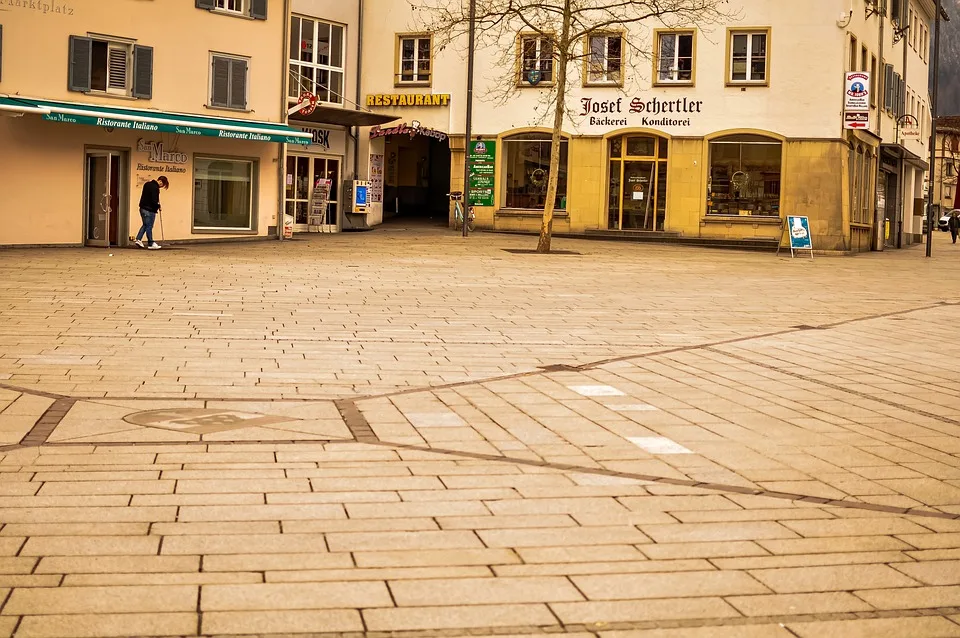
[[457, 197]]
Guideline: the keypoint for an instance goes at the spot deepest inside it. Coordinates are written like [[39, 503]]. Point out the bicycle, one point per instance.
[[456, 198]]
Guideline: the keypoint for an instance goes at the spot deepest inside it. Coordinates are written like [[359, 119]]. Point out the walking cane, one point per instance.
[[160, 217]]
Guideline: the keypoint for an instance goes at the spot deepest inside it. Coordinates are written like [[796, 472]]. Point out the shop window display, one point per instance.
[[744, 176], [223, 194], [527, 170]]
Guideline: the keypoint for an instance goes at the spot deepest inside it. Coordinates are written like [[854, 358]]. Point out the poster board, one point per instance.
[[797, 229], [318, 203], [483, 161]]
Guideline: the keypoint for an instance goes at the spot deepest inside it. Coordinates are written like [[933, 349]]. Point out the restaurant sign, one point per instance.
[[408, 99]]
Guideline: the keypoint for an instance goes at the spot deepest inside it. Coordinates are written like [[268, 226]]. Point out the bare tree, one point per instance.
[[561, 26]]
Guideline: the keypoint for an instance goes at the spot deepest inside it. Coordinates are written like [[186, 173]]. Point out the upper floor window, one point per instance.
[[111, 66], [605, 59], [748, 62], [256, 9], [675, 57], [414, 59], [536, 60], [316, 59], [228, 82]]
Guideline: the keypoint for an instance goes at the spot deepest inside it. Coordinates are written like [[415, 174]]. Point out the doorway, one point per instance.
[[417, 178], [303, 174], [637, 191], [103, 198]]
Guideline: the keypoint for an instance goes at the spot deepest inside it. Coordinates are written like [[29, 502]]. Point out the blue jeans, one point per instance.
[[148, 217]]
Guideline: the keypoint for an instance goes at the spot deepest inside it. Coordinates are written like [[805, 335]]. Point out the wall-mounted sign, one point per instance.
[[159, 160], [408, 99], [413, 130], [856, 100], [483, 162], [43, 7], [653, 111]]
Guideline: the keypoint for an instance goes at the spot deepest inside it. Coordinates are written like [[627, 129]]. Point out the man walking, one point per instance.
[[954, 225], [149, 208]]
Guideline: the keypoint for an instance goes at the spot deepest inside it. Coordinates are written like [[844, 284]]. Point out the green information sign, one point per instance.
[[483, 162]]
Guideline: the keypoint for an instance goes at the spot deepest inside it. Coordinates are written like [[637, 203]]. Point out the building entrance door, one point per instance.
[[102, 224], [638, 183], [303, 173]]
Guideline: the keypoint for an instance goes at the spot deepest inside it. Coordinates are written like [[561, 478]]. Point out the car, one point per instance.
[[945, 219]]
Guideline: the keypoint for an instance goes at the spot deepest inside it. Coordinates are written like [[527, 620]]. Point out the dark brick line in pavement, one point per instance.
[[36, 393]]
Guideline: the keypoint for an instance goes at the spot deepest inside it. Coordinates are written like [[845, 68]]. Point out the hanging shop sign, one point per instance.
[[325, 140], [408, 99], [856, 100], [483, 161], [654, 111], [413, 129]]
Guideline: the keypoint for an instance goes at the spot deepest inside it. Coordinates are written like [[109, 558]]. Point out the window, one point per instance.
[[413, 55], [114, 67], [223, 194], [303, 176], [864, 56], [675, 58], [852, 64], [605, 59], [256, 9], [862, 171], [527, 169], [748, 57], [875, 81], [228, 82], [744, 176], [536, 60], [316, 59]]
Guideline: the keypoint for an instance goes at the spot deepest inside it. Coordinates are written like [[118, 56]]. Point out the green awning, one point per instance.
[[156, 121]]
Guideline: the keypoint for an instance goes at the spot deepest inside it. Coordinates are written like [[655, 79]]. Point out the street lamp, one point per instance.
[[933, 127], [469, 123]]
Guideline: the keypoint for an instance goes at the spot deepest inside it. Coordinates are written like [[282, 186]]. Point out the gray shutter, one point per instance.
[[238, 84], [143, 72], [1, 52], [81, 57], [888, 87], [902, 104], [219, 93], [258, 9], [206, 4]]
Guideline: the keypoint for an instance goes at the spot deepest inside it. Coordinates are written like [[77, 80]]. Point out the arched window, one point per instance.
[[527, 169], [744, 175]]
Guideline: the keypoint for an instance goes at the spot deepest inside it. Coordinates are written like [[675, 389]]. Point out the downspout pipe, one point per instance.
[[356, 129], [284, 89]]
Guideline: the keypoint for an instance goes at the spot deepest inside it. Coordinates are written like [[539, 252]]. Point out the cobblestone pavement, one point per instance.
[[402, 431]]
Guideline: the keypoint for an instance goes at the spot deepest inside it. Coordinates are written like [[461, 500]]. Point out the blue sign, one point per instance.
[[799, 229], [361, 196]]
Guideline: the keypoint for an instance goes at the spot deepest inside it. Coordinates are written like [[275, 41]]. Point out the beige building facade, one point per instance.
[[716, 133], [118, 93]]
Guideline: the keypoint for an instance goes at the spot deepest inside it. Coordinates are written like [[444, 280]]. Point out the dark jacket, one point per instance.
[[150, 198], [953, 223]]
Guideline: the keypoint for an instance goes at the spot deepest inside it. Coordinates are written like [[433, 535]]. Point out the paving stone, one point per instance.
[[306, 596], [629, 611], [482, 591], [117, 564], [790, 580], [270, 562], [458, 617], [795, 604], [714, 631], [552, 537], [854, 527], [105, 625], [102, 600], [286, 621], [667, 585], [912, 597], [434, 557], [704, 532], [938, 572], [249, 543], [90, 546], [877, 628], [383, 541]]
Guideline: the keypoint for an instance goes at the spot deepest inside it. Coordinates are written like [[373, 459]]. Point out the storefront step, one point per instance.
[[758, 244]]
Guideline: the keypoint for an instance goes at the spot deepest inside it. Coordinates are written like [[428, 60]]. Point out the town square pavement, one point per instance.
[[405, 432]]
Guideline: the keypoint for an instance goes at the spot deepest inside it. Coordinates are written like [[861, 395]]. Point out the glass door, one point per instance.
[[302, 175], [102, 198], [637, 191]]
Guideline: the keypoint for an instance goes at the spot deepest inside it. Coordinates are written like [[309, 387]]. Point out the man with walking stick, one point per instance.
[[149, 209]]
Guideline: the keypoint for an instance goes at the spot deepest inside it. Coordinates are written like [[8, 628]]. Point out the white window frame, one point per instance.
[[239, 6], [417, 38], [675, 63], [750, 34], [609, 77], [540, 40], [246, 83], [316, 66], [126, 48]]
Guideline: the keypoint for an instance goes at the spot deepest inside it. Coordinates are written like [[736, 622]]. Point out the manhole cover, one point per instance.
[[202, 420]]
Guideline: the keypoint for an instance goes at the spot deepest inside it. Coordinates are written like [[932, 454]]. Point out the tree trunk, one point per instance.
[[553, 178]]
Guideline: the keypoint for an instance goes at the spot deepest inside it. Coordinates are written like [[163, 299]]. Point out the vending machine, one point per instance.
[[355, 196]]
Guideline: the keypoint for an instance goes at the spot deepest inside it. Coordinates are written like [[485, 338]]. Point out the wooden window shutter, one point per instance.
[[81, 57], [1, 52], [206, 4], [238, 84], [143, 72], [219, 94], [258, 9]]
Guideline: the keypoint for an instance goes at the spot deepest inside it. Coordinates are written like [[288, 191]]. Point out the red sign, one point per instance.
[[309, 101]]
